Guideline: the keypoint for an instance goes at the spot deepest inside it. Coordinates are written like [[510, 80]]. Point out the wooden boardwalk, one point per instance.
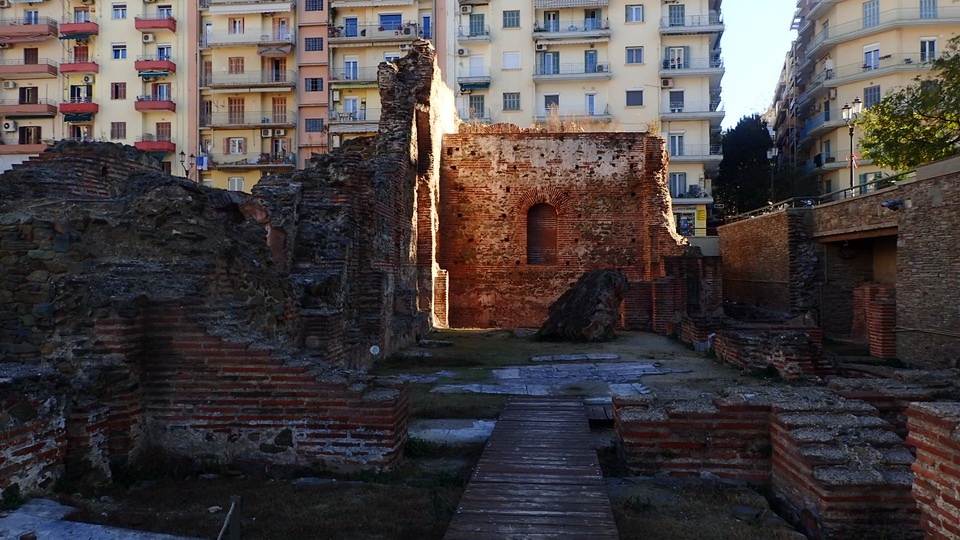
[[538, 478]]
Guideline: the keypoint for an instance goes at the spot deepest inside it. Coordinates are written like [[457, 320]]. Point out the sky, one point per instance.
[[756, 38]]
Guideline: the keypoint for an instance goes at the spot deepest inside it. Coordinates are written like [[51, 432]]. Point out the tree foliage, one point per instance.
[[744, 180], [920, 123]]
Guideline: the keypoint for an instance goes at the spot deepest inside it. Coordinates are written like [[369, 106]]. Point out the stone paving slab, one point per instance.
[[575, 357], [44, 518], [452, 431]]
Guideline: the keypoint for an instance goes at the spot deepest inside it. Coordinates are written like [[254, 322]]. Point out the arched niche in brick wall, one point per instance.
[[542, 234]]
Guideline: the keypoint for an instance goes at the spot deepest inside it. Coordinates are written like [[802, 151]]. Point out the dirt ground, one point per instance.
[[418, 498]]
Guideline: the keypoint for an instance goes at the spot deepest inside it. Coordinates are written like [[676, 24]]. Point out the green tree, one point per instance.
[[744, 180], [920, 123]]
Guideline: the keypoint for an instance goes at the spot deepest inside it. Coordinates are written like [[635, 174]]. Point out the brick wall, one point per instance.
[[933, 432], [33, 438], [756, 261], [612, 211], [792, 352]]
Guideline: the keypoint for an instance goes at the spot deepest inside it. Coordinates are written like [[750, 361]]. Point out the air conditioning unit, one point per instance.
[[666, 83], [266, 132], [832, 93], [335, 141], [6, 45], [463, 52], [149, 1], [150, 78], [279, 133], [336, 95], [148, 37], [601, 68], [87, 2], [465, 91], [89, 79], [541, 47], [80, 42], [9, 125], [9, 85], [405, 46], [818, 107], [466, 10], [4, 3]]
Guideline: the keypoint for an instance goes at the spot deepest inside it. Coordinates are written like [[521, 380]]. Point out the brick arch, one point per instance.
[[552, 196]]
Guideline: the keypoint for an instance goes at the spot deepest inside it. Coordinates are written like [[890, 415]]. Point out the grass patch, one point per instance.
[[433, 405]]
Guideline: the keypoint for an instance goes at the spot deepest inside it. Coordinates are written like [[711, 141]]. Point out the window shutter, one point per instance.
[[244, 149], [226, 145], [686, 56]]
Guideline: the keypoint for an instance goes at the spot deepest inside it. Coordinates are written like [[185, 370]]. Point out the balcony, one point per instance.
[[692, 24], [692, 195], [818, 9], [154, 103], [251, 36], [571, 72], [155, 66], [693, 67], [249, 119], [361, 121], [258, 79], [353, 76], [16, 145], [368, 34], [149, 142], [79, 64], [18, 69], [473, 32], [368, 3], [247, 162], [697, 153], [80, 105], [581, 115], [14, 108], [27, 29], [692, 110], [152, 23], [79, 27], [476, 116], [901, 17], [576, 31], [559, 4], [248, 7], [475, 78], [884, 65], [821, 124]]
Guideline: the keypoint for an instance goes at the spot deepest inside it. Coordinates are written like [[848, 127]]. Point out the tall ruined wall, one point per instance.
[[611, 210]]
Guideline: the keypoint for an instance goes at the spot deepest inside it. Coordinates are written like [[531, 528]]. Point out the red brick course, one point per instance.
[[934, 429]]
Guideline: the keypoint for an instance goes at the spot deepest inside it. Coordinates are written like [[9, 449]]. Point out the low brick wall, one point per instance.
[[793, 352], [934, 429]]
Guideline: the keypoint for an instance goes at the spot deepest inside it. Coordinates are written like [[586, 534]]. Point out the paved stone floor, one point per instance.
[[43, 517]]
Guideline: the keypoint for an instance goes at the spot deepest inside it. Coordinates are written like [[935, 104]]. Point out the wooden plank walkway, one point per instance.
[[537, 478]]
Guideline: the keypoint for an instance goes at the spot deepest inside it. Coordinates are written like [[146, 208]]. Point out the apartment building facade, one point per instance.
[[605, 65], [96, 70], [850, 51]]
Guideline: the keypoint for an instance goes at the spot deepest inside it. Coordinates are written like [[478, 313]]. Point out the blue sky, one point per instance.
[[756, 38]]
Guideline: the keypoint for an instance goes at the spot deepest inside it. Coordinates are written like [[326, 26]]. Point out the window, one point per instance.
[[81, 15], [634, 98], [928, 9], [928, 50], [678, 183], [542, 234], [871, 13], [477, 107], [164, 12], [235, 183], [29, 95], [871, 96], [119, 51], [119, 11], [314, 84], [677, 15], [511, 19], [313, 125], [551, 21], [676, 99], [511, 60], [164, 52], [590, 103], [164, 131], [511, 101], [592, 20], [118, 130], [161, 92], [871, 57], [426, 26], [31, 16], [81, 54], [313, 44], [551, 103], [350, 27], [590, 61], [236, 109], [478, 25], [549, 63], [634, 13], [676, 144], [634, 55], [236, 145], [235, 65], [31, 56], [118, 90], [351, 68], [391, 56], [313, 5], [390, 21], [235, 25]]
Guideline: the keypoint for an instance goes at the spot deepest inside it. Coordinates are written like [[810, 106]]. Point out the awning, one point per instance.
[[156, 73], [78, 117], [158, 155], [256, 7], [76, 36], [474, 86], [274, 50]]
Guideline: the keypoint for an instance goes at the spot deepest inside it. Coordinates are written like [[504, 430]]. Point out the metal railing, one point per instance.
[[361, 115], [692, 63], [155, 57], [365, 73], [690, 107], [248, 36], [885, 18], [29, 21], [265, 158], [710, 19], [250, 118], [573, 113], [41, 101], [154, 98], [575, 25], [884, 62], [20, 62], [150, 137], [546, 70], [361, 32], [697, 150], [474, 72], [156, 17], [80, 17], [79, 99], [475, 115], [473, 30], [253, 78]]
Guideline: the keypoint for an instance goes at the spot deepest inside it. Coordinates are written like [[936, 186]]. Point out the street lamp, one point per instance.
[[183, 163], [850, 115], [772, 153]]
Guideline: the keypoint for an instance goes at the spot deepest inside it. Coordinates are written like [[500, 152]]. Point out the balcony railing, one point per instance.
[[691, 21], [549, 70], [576, 25], [692, 107], [474, 73], [884, 63], [365, 73], [362, 115], [886, 19], [253, 160], [691, 63], [575, 114], [473, 31], [155, 22], [249, 118], [257, 78], [696, 151], [44, 67], [475, 115], [251, 36], [368, 32], [154, 103], [38, 107]]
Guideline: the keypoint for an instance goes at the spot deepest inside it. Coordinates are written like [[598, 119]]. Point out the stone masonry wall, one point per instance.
[[934, 429], [756, 261], [612, 211]]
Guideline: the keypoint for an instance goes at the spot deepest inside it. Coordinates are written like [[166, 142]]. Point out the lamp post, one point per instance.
[[850, 115], [184, 164], [772, 153]]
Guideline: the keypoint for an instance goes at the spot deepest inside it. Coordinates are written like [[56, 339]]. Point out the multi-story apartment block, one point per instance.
[[602, 65], [848, 52], [94, 69]]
